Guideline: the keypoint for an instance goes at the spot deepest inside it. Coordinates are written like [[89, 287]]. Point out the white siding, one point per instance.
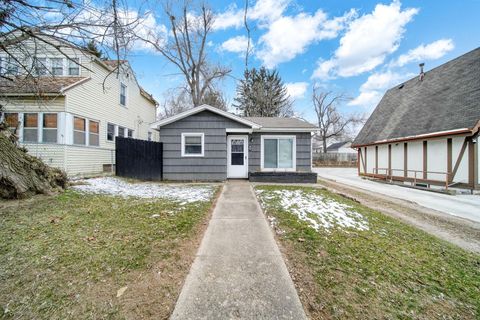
[[361, 159], [97, 99], [370, 159], [382, 158], [90, 100], [478, 160], [87, 160], [415, 158], [30, 104], [397, 159], [462, 172], [52, 154], [437, 158]]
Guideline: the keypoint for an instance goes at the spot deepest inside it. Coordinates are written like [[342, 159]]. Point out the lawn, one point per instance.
[[351, 262], [91, 256]]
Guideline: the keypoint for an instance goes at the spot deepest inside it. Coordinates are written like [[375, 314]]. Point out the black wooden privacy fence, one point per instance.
[[138, 159]]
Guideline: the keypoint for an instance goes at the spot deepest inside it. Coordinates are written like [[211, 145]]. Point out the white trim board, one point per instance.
[[156, 125], [192, 134]]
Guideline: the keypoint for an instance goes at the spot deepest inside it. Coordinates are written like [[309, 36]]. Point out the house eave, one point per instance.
[[274, 129], [156, 125], [422, 136]]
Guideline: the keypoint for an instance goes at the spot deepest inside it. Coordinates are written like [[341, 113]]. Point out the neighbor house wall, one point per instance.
[[303, 150], [213, 165], [436, 151], [370, 164], [91, 100], [397, 160], [96, 99]]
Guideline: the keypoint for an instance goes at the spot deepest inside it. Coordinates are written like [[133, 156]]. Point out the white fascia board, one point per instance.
[[239, 130], [263, 129], [201, 108], [74, 84]]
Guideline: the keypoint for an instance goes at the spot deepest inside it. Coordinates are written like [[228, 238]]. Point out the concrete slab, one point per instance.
[[239, 272], [239, 237]]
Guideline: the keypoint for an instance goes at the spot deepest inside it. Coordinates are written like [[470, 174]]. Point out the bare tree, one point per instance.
[[176, 101], [27, 28], [186, 48], [31, 28], [331, 122]]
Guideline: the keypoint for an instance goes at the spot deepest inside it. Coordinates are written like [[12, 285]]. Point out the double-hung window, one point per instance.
[[49, 127], [121, 132], [93, 133], [192, 144], [130, 133], [40, 65], [79, 131], [57, 66], [123, 94], [74, 67], [110, 131], [278, 153], [11, 67], [11, 119], [149, 136], [30, 127]]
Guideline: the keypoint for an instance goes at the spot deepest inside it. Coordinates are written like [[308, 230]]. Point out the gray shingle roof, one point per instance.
[[448, 98], [337, 145], [274, 122]]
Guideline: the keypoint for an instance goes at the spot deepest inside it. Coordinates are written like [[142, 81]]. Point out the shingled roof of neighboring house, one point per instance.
[[40, 85], [448, 98], [337, 145], [277, 122]]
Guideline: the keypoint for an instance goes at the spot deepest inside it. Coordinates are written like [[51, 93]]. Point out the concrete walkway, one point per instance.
[[239, 272]]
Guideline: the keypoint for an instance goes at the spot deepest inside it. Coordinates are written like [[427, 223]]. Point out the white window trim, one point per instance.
[[39, 127], [85, 133], [193, 134], [90, 133], [120, 94], [43, 128], [294, 153]]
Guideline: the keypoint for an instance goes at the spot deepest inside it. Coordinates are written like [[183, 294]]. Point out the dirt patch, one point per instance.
[[461, 232]]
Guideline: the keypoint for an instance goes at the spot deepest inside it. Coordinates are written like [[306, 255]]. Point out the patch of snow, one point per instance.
[[147, 190], [316, 210]]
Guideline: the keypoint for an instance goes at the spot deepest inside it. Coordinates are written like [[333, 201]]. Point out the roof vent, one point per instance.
[[401, 86], [422, 74]]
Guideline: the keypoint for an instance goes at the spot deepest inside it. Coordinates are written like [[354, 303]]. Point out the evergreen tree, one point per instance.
[[93, 49], [262, 94], [215, 99]]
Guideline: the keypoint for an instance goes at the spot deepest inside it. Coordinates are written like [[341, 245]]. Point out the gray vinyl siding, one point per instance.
[[303, 146], [213, 166]]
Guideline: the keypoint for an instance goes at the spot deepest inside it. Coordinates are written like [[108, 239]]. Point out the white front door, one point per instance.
[[237, 156]]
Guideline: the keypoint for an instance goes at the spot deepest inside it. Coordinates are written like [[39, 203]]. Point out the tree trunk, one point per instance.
[[22, 175], [324, 145]]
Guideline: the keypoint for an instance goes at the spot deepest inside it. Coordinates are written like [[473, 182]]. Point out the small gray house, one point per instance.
[[206, 143]]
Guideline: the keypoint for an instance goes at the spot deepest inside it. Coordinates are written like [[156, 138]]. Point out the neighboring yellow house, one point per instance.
[[69, 113]]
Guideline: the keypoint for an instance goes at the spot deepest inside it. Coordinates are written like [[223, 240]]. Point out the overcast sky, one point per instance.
[[360, 48]]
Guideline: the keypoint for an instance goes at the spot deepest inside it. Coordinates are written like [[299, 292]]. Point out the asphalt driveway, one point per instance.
[[464, 206]]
